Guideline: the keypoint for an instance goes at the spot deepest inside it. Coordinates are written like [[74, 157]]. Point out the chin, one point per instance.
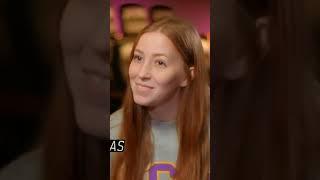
[[141, 101]]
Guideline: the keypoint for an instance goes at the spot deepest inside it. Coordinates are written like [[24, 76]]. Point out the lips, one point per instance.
[[144, 86]]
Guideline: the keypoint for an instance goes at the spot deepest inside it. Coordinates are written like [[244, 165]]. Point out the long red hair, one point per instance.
[[193, 160]]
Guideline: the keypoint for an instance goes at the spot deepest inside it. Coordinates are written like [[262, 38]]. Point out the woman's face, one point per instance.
[[156, 71]]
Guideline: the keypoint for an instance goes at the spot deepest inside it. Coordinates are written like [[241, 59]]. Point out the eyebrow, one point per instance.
[[154, 55], [139, 51]]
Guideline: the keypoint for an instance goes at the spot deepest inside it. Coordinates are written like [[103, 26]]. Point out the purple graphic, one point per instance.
[[164, 167]]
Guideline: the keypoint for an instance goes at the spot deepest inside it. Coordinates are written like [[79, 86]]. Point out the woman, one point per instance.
[[164, 119]]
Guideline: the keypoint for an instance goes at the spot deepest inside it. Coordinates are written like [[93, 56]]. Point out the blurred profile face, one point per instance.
[[84, 47], [234, 34], [156, 70]]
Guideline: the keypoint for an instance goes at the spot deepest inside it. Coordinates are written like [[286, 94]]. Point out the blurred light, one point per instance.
[[118, 36]]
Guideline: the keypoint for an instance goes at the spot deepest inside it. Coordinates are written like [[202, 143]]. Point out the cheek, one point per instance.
[[169, 79], [133, 71]]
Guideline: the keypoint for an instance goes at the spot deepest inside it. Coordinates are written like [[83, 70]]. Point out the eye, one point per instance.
[[137, 58], [161, 63]]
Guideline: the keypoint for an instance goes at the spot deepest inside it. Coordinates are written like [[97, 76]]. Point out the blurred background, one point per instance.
[[129, 17]]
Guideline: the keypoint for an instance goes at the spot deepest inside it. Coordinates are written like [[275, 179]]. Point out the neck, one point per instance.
[[167, 111]]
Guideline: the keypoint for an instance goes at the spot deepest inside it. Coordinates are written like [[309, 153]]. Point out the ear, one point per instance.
[[262, 26], [185, 82]]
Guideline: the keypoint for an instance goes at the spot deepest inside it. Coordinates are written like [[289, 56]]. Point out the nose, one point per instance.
[[145, 71]]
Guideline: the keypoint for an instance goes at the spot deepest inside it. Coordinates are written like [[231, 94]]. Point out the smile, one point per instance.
[[143, 86]]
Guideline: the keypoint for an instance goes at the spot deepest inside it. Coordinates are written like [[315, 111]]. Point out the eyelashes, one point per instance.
[[158, 62], [137, 58], [161, 63]]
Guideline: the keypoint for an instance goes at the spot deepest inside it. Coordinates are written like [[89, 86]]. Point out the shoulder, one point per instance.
[[27, 166], [115, 123]]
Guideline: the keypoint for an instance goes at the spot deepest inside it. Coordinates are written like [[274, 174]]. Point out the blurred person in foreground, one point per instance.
[[266, 109], [72, 145]]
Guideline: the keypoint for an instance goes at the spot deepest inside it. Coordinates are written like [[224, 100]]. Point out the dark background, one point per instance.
[[26, 76], [267, 118]]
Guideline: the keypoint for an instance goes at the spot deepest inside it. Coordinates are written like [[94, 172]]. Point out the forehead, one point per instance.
[[156, 42]]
